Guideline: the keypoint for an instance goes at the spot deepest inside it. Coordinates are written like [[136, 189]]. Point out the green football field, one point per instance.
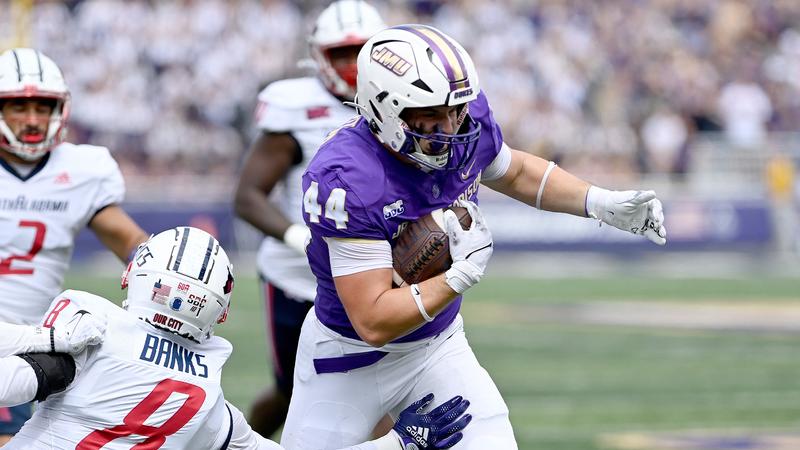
[[593, 364]]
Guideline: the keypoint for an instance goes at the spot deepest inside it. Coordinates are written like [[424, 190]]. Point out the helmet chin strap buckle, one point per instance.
[[428, 162]]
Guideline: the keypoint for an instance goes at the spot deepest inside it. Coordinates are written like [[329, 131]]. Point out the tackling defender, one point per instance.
[[426, 139], [154, 381], [50, 191], [293, 117]]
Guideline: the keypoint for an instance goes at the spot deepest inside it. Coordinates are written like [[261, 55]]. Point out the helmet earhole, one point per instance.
[[374, 127], [375, 112]]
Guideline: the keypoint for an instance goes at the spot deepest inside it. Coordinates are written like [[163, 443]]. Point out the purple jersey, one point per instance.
[[355, 188]]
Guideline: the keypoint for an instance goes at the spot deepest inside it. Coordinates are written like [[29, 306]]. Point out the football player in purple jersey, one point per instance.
[[425, 140], [293, 117]]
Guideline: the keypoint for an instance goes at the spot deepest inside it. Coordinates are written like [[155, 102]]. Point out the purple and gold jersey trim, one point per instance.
[[446, 51]]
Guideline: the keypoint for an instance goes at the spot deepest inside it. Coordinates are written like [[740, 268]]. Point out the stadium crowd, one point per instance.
[[614, 87]]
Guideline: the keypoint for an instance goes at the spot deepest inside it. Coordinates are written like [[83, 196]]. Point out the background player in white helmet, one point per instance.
[[293, 118], [49, 191], [154, 382], [426, 140]]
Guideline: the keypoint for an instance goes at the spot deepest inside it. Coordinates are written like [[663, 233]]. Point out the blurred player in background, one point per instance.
[[426, 139], [49, 191], [293, 117], [154, 382]]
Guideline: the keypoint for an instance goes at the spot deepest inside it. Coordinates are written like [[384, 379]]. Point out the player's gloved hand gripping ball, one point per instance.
[[422, 249], [453, 240], [470, 248], [438, 429]]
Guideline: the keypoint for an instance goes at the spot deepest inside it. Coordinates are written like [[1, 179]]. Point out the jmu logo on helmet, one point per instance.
[[391, 61]]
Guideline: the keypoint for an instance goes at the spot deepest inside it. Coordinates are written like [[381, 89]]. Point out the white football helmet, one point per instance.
[[343, 23], [415, 66], [27, 73], [180, 280]]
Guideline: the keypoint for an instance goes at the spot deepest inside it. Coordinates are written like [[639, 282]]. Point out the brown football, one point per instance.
[[422, 249]]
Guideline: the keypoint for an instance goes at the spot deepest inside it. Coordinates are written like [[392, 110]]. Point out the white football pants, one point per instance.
[[334, 410]]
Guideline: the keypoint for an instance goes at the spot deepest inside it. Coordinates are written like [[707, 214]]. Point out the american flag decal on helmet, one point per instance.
[[160, 292]]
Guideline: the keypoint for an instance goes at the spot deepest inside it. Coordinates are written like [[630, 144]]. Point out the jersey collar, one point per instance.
[[38, 168]]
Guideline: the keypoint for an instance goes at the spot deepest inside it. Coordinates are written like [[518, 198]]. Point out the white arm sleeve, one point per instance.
[[349, 256], [19, 339], [243, 437], [18, 383], [499, 165]]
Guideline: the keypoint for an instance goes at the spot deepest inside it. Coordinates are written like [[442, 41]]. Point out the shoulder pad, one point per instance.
[[295, 93], [90, 158]]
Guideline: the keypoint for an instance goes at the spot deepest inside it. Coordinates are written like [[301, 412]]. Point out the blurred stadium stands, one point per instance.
[[699, 99]]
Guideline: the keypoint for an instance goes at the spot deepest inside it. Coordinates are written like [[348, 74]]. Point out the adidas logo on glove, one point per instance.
[[420, 435]]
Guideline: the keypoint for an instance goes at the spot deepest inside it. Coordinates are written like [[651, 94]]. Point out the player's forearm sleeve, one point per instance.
[[18, 383], [18, 339], [243, 437]]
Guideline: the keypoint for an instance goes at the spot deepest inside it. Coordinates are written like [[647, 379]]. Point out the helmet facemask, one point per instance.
[[28, 74], [339, 79], [344, 23], [54, 135], [445, 151], [412, 67]]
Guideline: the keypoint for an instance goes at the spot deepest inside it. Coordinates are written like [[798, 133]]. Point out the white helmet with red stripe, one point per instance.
[[180, 280], [27, 73], [343, 23], [417, 66]]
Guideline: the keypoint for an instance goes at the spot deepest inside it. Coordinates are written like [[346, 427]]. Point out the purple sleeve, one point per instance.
[[338, 210], [491, 135]]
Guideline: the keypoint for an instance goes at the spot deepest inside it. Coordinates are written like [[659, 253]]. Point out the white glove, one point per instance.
[[469, 249], [297, 237], [638, 212], [82, 330]]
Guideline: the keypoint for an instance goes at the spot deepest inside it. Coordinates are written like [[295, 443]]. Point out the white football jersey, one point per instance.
[[306, 110], [40, 215], [141, 386]]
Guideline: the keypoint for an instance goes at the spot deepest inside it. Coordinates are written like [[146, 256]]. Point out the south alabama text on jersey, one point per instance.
[[40, 214], [303, 108], [355, 188], [140, 385]]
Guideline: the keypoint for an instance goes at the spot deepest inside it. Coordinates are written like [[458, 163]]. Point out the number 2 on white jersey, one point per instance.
[[334, 206], [38, 240]]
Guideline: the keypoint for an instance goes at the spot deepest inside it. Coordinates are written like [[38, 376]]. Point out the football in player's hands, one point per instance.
[[422, 249]]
